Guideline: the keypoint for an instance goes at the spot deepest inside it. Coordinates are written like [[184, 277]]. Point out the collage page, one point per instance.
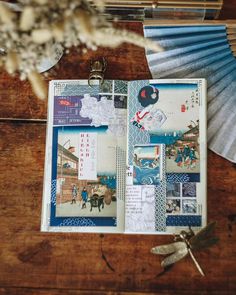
[[85, 166], [166, 156]]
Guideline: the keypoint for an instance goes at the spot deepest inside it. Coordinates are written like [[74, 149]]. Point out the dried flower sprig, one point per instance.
[[28, 36]]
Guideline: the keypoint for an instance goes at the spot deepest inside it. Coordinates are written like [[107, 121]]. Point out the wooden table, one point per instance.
[[32, 262]]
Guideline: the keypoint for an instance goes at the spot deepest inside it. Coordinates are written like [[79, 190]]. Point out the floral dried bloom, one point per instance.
[[41, 36], [29, 36], [27, 18]]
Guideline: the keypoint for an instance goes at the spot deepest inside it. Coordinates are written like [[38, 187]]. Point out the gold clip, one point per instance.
[[98, 68]]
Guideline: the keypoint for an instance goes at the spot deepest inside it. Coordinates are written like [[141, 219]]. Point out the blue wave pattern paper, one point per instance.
[[184, 220], [201, 51]]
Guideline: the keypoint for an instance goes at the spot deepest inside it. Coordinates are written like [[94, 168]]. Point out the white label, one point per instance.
[[87, 156]]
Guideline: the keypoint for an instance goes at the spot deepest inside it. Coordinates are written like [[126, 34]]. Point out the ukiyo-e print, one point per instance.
[[86, 172], [179, 104], [147, 164], [168, 113]]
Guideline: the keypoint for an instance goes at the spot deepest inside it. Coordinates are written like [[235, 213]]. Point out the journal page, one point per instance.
[[166, 156], [85, 165]]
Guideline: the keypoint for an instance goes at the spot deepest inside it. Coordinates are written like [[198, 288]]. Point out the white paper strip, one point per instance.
[[87, 156]]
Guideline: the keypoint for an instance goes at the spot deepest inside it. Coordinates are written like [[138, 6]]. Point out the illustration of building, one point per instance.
[[67, 174], [192, 134], [67, 162]]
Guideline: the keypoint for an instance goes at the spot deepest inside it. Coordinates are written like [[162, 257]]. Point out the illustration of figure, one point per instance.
[[154, 163], [148, 95], [137, 161], [186, 151], [192, 157], [150, 118], [66, 165], [97, 198], [169, 152], [74, 194], [169, 209], [177, 209], [179, 157], [154, 119], [84, 195]]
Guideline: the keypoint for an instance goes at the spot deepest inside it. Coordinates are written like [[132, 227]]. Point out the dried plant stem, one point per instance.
[[38, 84], [27, 18], [12, 62], [121, 36]]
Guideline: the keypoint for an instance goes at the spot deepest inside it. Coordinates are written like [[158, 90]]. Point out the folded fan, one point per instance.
[[202, 50]]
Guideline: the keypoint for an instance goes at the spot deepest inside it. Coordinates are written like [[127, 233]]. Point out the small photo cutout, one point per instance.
[[173, 206], [173, 190], [189, 190], [147, 164], [189, 206]]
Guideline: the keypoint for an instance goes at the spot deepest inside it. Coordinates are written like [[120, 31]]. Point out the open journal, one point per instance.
[[127, 157]]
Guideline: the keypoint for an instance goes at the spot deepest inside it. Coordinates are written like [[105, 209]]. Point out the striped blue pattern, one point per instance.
[[201, 51]]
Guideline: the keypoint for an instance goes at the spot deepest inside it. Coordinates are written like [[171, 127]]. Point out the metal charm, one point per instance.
[[184, 243], [97, 71]]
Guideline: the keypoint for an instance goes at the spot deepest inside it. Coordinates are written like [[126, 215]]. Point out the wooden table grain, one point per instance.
[[32, 262]]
